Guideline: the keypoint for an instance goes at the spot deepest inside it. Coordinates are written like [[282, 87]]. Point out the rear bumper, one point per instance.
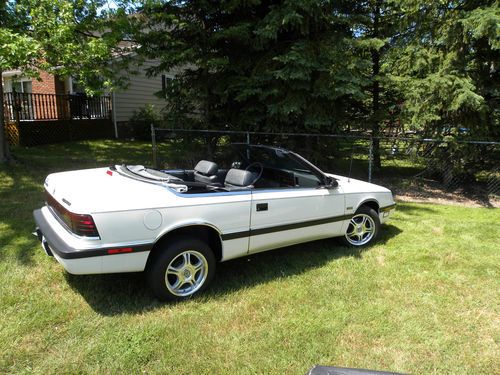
[[89, 260]]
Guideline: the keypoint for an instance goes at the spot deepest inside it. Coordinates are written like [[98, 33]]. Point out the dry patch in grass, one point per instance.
[[429, 191]]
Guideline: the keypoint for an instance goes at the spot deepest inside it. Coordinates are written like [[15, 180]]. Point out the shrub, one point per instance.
[[142, 119]]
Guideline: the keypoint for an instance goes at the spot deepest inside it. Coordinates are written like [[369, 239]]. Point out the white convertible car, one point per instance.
[[177, 224]]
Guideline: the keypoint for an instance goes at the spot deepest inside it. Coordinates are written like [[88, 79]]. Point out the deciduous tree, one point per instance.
[[64, 37]]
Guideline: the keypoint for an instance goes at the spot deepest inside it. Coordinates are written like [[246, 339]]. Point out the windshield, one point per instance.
[[269, 157], [241, 155]]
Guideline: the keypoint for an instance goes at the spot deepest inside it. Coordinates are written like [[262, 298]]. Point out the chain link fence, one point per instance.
[[463, 166]]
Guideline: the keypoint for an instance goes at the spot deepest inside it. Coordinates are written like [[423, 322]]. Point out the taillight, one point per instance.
[[80, 224], [83, 225]]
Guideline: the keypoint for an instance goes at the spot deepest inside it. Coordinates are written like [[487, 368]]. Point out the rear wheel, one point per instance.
[[182, 269], [363, 228]]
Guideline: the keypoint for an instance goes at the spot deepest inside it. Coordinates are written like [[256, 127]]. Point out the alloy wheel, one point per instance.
[[186, 273], [361, 230]]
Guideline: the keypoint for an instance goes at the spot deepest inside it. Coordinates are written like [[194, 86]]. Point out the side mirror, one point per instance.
[[331, 182]]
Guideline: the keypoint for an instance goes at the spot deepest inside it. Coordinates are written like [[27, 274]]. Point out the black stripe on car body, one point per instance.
[[303, 224], [66, 252], [387, 208], [77, 254], [280, 228]]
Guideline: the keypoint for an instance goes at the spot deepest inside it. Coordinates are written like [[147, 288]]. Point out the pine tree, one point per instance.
[[446, 71], [447, 68], [259, 65]]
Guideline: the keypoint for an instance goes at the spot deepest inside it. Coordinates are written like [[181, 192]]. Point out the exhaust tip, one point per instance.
[[38, 234]]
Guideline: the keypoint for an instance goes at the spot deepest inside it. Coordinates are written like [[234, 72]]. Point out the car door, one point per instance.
[[282, 217]]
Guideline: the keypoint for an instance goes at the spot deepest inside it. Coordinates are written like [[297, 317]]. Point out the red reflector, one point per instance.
[[119, 251], [109, 172]]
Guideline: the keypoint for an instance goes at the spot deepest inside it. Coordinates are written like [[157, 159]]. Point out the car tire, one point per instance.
[[363, 228], [181, 270]]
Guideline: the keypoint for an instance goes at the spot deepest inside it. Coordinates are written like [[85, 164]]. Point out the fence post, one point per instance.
[[113, 113], [155, 149], [17, 106], [248, 138], [370, 160]]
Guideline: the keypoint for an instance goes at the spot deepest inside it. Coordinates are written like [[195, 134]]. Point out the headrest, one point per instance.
[[206, 167], [238, 177]]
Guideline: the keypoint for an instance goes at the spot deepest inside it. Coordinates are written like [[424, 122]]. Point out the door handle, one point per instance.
[[261, 207]]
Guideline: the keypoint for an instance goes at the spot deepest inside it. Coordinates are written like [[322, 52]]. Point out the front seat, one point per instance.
[[206, 172], [239, 179]]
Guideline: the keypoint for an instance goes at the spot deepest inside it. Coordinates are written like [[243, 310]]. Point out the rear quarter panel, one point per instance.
[[227, 213]]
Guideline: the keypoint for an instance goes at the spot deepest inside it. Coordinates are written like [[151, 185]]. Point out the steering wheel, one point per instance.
[[253, 165]]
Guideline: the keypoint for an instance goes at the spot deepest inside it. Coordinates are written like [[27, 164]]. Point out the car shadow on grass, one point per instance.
[[129, 293], [286, 262]]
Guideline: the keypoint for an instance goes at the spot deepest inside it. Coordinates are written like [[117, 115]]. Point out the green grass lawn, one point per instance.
[[424, 299]]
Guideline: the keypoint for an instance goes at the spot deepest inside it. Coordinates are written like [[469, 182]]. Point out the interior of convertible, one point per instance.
[[239, 167]]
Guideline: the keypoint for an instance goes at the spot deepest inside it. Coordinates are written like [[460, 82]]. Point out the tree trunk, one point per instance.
[[4, 144], [375, 111], [376, 92]]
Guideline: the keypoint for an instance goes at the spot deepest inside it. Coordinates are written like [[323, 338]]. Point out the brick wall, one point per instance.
[[47, 85]]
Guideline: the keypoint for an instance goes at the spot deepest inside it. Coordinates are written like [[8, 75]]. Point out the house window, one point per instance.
[[77, 87], [23, 86], [166, 84]]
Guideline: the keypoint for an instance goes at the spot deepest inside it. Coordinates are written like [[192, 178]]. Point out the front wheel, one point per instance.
[[363, 228], [184, 268]]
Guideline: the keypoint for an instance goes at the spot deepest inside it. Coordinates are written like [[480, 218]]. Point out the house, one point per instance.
[[49, 98], [140, 91], [13, 80], [50, 109], [56, 98]]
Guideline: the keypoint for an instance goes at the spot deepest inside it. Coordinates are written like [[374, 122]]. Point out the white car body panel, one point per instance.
[[82, 266], [105, 264], [295, 206], [131, 213]]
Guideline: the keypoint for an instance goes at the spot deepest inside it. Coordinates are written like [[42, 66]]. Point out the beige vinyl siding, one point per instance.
[[139, 92]]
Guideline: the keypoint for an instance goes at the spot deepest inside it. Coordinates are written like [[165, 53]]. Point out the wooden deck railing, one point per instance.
[[31, 107]]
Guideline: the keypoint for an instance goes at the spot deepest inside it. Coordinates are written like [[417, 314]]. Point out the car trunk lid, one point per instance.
[[101, 190]]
